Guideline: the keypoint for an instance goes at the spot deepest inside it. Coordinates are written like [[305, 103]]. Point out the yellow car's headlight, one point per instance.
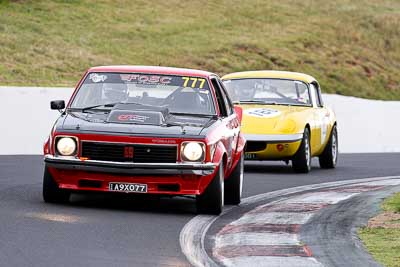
[[193, 151], [66, 146]]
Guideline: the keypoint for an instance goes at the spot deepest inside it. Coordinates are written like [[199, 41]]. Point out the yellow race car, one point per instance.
[[284, 118]]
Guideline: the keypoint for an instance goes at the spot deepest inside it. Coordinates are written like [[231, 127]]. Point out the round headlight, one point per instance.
[[66, 146], [193, 151]]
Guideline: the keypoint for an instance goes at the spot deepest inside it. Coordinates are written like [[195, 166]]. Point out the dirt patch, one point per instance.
[[387, 220]]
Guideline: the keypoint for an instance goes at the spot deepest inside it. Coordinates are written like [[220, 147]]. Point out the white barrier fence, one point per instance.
[[365, 126]]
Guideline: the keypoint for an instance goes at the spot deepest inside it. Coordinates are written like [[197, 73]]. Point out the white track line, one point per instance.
[[377, 183], [321, 197], [274, 217], [192, 237], [267, 261], [193, 233], [256, 239]]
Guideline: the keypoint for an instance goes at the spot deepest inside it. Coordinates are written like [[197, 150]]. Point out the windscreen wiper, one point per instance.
[[256, 102], [109, 105], [101, 105], [268, 103], [183, 124], [193, 114]]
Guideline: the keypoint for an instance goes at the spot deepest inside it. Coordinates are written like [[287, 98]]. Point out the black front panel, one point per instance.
[[254, 146], [129, 152]]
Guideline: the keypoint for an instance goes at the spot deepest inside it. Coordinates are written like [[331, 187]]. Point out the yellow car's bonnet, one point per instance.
[[273, 119]]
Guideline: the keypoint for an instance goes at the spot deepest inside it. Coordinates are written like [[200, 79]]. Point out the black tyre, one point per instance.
[[212, 199], [51, 192], [301, 161], [234, 184], [328, 158]]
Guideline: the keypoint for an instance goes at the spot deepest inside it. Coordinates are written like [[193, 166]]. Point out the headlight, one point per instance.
[[193, 151], [66, 146]]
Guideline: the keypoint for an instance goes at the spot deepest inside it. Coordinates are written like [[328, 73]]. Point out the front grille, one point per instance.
[[121, 152]]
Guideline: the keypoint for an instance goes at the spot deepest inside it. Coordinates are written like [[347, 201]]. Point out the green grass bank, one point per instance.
[[382, 236], [351, 46]]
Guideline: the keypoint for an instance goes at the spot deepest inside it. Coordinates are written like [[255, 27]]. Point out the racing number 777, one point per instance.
[[194, 81]]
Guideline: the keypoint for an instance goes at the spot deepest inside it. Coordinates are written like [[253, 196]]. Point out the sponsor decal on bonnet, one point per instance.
[[132, 117]]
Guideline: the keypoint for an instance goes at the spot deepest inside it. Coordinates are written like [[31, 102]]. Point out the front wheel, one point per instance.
[[328, 158], [51, 192], [212, 199], [301, 161], [234, 183]]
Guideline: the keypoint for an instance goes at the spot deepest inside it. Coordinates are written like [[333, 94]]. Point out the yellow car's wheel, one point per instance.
[[301, 161], [328, 158]]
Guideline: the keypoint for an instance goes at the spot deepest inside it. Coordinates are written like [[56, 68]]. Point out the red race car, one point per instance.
[[154, 130]]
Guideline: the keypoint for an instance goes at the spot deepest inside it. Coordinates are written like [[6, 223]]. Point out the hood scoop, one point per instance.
[[138, 114]]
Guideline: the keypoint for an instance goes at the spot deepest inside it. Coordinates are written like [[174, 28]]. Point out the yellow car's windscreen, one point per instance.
[[269, 91]]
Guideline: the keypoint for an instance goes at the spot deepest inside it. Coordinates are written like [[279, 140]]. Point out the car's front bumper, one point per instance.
[[66, 163], [274, 138], [76, 174], [265, 146]]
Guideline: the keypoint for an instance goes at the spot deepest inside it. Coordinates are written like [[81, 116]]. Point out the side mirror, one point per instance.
[[239, 113], [57, 104]]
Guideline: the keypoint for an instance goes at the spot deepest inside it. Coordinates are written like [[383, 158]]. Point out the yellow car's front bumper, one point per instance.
[[272, 147]]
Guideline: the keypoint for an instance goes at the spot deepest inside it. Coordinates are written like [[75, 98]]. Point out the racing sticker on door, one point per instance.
[[262, 112], [324, 128]]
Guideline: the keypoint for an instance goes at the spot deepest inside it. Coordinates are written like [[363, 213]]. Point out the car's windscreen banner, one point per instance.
[[148, 79]]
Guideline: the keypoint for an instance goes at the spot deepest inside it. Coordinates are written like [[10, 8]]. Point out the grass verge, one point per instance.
[[382, 235], [351, 46]]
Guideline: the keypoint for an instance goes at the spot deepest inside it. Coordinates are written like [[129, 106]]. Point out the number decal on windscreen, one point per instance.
[[193, 82]]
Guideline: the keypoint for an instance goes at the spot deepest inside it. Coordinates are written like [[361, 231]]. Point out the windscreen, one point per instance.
[[179, 94], [269, 91]]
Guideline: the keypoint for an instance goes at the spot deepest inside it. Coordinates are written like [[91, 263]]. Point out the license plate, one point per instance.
[[128, 187], [250, 156]]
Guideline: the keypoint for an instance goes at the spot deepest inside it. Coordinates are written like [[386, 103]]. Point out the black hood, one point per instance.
[[159, 125]]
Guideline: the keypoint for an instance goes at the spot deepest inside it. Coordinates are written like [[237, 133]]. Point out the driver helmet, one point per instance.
[[246, 92], [115, 92]]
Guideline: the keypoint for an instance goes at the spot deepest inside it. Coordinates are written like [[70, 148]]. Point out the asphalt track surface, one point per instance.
[[124, 230], [330, 234]]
